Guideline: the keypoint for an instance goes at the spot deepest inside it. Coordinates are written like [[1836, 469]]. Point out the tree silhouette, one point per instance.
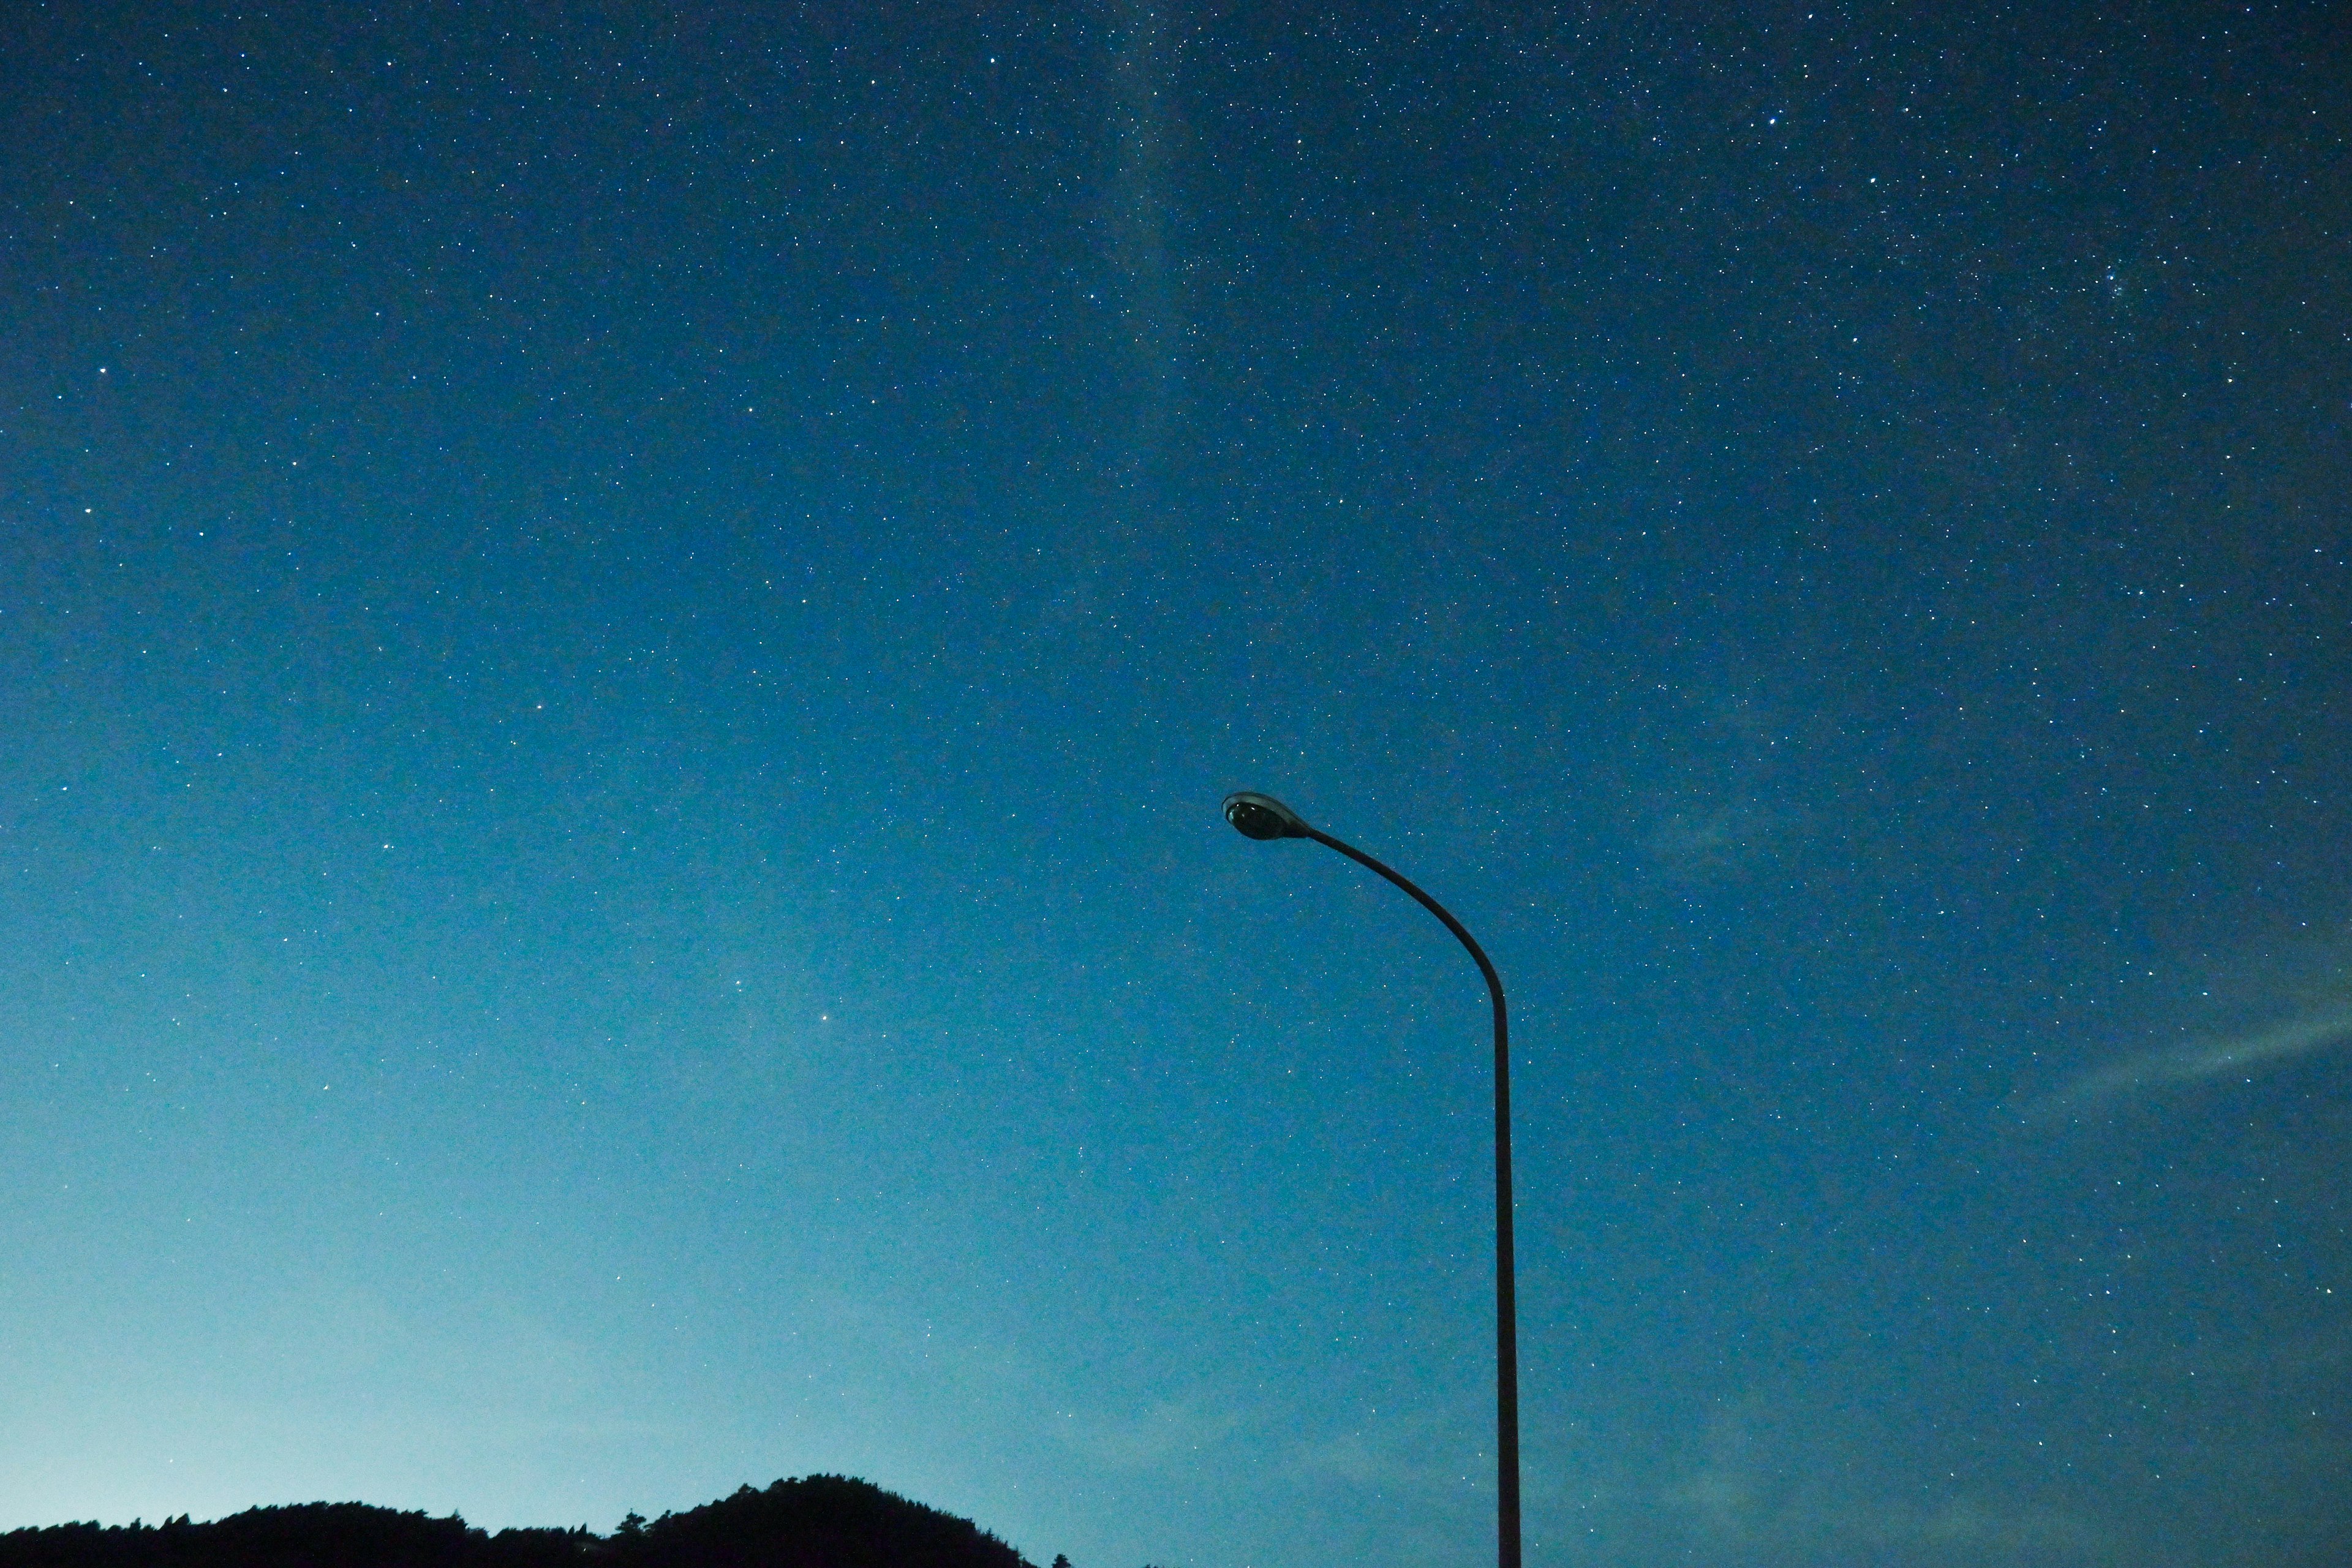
[[818, 1522]]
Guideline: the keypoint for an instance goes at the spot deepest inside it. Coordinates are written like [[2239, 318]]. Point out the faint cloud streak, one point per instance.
[[2194, 1063], [1167, 1434], [1417, 1453], [1721, 840], [1785, 1484]]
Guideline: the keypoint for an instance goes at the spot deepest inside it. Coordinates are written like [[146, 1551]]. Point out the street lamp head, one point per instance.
[[1256, 815]]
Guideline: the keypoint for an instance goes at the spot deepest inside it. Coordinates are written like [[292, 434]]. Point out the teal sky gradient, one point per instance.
[[620, 631]]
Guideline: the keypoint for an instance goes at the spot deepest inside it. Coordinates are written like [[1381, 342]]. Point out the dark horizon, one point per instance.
[[813, 1522]]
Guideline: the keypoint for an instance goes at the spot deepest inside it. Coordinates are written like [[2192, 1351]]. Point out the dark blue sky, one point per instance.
[[621, 629]]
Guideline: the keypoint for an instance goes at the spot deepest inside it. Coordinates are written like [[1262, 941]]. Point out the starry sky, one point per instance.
[[621, 627]]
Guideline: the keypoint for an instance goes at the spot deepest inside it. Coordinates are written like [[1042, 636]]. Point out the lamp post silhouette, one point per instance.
[[1262, 816]]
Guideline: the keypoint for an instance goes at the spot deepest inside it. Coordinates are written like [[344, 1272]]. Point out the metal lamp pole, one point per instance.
[[1262, 817]]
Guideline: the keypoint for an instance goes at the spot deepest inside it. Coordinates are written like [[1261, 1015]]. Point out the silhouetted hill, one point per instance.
[[821, 1522], [824, 1521], [305, 1535]]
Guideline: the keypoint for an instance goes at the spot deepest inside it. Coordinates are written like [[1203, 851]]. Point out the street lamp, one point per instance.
[[1262, 816]]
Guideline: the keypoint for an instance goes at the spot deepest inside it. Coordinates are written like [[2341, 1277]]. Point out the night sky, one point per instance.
[[621, 627]]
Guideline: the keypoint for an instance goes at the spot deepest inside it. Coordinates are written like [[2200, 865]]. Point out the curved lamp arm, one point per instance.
[[1262, 816]]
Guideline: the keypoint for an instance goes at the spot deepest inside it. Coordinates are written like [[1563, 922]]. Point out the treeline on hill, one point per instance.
[[821, 1522]]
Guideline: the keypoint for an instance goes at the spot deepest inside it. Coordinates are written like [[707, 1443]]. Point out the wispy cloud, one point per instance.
[[2239, 1054], [1723, 839], [1168, 1434], [1787, 1480], [1404, 1451]]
